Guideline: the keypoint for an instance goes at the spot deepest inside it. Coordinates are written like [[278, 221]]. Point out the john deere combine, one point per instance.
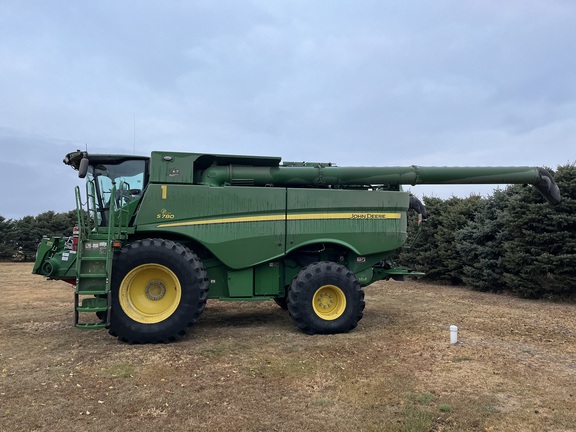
[[157, 236]]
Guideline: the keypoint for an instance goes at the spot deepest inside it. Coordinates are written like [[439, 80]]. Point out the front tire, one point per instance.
[[159, 290], [326, 298]]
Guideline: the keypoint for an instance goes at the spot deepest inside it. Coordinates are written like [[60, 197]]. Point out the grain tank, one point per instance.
[[157, 236]]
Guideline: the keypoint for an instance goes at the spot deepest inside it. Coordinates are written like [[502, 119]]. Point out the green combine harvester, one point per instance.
[[157, 236]]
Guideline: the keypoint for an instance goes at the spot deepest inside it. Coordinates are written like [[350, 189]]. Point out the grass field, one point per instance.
[[245, 366]]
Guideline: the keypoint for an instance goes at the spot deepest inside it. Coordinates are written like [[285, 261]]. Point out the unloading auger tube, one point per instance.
[[325, 175]]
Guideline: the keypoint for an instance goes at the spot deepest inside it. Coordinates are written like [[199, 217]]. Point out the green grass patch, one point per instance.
[[445, 408], [417, 419], [122, 370], [423, 398]]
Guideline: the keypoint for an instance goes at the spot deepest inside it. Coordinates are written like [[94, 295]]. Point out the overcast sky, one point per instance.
[[355, 82]]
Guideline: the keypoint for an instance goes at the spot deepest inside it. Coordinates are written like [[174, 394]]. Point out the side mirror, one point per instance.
[[83, 167]]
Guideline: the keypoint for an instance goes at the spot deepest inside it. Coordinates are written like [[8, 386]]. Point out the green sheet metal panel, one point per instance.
[[241, 226], [267, 279], [367, 221], [172, 167], [241, 283], [217, 274]]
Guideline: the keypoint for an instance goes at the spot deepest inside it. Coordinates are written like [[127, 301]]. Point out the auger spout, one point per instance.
[[329, 175]]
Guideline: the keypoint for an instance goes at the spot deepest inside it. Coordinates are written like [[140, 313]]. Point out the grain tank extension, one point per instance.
[[157, 236]]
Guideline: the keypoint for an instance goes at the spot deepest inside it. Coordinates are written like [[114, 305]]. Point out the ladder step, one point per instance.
[[93, 305], [95, 326], [92, 275], [92, 291]]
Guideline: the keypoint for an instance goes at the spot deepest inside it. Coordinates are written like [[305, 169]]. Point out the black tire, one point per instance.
[[282, 302], [325, 298], [102, 315], [159, 290]]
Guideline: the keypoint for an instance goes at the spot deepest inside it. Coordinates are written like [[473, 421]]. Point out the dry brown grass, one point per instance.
[[245, 367]]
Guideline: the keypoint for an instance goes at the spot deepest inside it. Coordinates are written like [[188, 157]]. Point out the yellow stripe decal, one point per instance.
[[356, 216], [267, 218], [281, 217]]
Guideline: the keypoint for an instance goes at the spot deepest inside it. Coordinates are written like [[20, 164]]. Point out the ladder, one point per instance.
[[94, 259], [93, 273]]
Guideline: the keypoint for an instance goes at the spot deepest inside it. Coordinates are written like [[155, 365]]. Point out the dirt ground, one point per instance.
[[246, 367]]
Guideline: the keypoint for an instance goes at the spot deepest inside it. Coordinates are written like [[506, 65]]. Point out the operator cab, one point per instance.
[[127, 175]]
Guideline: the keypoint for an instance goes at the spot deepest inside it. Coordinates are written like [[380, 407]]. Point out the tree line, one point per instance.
[[510, 241], [19, 239]]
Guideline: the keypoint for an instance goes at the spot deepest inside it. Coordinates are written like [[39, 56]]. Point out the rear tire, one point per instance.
[[159, 290], [326, 298]]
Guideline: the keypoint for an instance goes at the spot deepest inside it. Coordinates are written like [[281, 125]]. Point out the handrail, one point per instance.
[[123, 213], [79, 211]]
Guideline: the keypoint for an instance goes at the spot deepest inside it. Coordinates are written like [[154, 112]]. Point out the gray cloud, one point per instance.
[[365, 83]]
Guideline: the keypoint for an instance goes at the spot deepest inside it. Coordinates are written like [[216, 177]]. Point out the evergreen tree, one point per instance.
[[7, 245], [435, 252], [540, 241], [480, 244], [50, 223], [19, 239], [419, 251], [460, 212]]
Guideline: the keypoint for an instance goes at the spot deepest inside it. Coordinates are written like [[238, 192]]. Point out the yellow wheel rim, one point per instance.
[[329, 302], [150, 293]]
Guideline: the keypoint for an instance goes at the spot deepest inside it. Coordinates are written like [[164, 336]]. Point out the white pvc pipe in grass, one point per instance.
[[453, 334]]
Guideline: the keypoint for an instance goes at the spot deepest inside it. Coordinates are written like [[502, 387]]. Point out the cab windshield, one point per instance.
[[129, 178]]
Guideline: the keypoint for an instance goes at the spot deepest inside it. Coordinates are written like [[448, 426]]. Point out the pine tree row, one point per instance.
[[511, 241], [19, 238]]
